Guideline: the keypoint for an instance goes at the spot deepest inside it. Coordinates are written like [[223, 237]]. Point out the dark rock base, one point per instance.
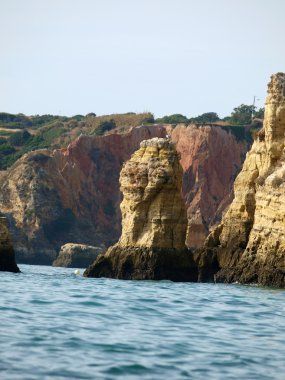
[[134, 263], [222, 265], [7, 260], [253, 273], [7, 254]]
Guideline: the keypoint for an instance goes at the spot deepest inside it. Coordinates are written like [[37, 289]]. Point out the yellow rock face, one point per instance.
[[154, 222], [153, 212], [251, 236]]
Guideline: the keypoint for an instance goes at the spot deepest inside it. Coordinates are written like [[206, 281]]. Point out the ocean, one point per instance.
[[58, 325]]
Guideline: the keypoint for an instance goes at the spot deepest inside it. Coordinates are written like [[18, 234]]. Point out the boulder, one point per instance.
[[76, 255]]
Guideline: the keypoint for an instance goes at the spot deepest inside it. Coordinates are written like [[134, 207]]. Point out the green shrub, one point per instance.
[[104, 126], [19, 138], [208, 117], [172, 119], [6, 149]]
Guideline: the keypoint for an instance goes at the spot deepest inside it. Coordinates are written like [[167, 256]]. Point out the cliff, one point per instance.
[[249, 245], [72, 195], [7, 255], [211, 157], [68, 195], [154, 221]]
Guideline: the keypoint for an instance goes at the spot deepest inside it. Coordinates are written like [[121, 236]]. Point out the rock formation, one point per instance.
[[211, 157], [72, 195], [76, 256], [154, 222], [7, 255], [68, 195], [249, 245]]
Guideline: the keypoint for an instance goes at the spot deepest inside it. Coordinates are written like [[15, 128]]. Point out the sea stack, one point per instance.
[[249, 244], [7, 255], [154, 222]]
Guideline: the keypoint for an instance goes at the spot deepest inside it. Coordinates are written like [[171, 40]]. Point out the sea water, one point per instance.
[[58, 325]]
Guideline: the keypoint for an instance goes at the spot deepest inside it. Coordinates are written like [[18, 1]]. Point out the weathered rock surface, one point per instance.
[[154, 221], [211, 157], [72, 195], [249, 244], [76, 256], [7, 255], [68, 195]]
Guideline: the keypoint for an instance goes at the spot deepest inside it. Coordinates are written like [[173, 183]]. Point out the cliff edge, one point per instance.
[[249, 244], [154, 221]]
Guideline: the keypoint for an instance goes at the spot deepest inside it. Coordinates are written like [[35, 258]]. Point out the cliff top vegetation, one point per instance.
[[20, 134]]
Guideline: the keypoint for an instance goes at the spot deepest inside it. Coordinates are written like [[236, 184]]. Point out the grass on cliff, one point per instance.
[[20, 134]]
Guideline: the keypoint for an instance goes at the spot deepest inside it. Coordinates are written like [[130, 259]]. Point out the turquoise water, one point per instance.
[[56, 325]]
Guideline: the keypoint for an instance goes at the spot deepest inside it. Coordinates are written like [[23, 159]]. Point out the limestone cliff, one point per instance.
[[249, 244], [7, 255], [154, 221], [72, 195]]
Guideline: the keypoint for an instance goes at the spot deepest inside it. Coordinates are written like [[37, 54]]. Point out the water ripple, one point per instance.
[[55, 325]]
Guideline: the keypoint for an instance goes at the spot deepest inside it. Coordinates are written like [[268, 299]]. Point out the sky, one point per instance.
[[71, 57]]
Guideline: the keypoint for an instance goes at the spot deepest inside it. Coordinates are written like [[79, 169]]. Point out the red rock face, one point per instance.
[[68, 195], [211, 159], [91, 167], [72, 195]]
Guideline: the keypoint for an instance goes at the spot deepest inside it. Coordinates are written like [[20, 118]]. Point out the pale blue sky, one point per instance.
[[164, 56]]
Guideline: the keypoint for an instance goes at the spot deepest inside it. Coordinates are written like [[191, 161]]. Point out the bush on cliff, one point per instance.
[[19, 138], [208, 117], [103, 127], [172, 119], [244, 114]]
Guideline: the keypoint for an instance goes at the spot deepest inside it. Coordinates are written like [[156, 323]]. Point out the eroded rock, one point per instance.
[[249, 245], [154, 221], [72, 195], [76, 255]]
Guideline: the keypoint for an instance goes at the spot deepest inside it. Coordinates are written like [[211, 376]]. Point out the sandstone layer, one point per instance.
[[249, 245], [73, 196], [76, 256], [7, 255], [154, 221]]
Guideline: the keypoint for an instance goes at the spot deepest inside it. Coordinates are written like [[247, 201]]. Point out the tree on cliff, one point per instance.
[[244, 114], [172, 119], [208, 117]]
